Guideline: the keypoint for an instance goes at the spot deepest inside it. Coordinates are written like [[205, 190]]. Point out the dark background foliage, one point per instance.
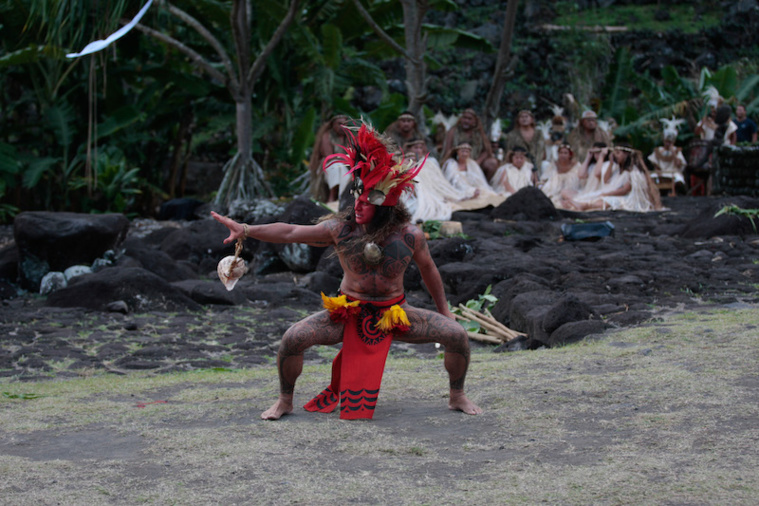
[[140, 123]]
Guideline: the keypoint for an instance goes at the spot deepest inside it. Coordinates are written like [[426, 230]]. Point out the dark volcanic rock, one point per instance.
[[568, 309], [300, 257], [157, 262], [140, 289], [210, 292], [49, 241], [529, 203], [572, 332], [707, 224]]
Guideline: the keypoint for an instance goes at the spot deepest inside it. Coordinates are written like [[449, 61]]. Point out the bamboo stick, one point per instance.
[[489, 322], [494, 334], [484, 338]]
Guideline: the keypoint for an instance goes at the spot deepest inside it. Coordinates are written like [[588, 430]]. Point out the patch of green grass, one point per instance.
[[686, 17]]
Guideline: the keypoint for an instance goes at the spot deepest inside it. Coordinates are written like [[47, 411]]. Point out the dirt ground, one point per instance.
[[664, 413]]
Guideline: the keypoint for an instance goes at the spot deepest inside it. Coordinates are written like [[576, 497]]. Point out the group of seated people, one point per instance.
[[465, 169]]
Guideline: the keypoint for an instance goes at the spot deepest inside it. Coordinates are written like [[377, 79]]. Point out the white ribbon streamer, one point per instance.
[[99, 45]]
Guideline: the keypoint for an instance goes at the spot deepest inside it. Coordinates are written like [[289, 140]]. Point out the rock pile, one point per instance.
[[556, 291]]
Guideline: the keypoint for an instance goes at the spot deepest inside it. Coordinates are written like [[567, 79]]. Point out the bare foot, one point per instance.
[[459, 402], [283, 406]]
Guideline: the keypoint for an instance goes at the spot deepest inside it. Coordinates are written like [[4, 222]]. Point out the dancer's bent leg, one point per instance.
[[430, 327], [316, 329]]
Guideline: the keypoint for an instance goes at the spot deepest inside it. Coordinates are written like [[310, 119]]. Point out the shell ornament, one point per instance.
[[232, 268]]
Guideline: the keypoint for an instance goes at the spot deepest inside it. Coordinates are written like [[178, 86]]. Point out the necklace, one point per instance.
[[372, 253]]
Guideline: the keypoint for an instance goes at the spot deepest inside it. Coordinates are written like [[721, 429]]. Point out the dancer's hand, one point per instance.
[[236, 230]]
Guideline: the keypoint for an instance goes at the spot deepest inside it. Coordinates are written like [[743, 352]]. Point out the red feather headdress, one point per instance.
[[374, 169]]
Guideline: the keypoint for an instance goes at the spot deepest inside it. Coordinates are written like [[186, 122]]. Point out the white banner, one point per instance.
[[98, 45]]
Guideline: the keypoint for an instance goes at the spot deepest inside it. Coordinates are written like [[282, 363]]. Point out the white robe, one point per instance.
[[637, 198], [518, 178], [595, 186], [558, 182], [467, 181], [708, 132], [668, 169], [433, 194]]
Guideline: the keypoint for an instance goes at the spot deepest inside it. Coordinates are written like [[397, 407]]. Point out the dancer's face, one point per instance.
[[364, 210]]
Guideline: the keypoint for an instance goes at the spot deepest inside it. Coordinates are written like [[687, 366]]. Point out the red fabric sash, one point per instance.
[[357, 369]]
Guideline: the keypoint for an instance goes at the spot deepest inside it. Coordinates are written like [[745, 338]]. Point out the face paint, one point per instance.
[[364, 210]]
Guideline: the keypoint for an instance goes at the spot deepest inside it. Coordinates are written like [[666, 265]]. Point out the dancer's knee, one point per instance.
[[291, 344]]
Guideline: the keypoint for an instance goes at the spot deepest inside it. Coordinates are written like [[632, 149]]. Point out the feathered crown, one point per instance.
[[711, 96], [671, 127], [374, 169]]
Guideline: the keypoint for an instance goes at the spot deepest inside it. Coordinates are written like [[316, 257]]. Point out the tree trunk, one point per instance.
[[416, 70], [493, 100], [244, 127]]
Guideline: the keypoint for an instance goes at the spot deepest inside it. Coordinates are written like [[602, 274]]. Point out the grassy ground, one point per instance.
[[661, 414], [686, 17]]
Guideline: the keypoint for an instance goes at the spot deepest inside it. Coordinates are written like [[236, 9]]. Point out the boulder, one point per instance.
[[568, 309], [139, 288], [281, 294], [157, 262], [529, 203], [52, 281], [707, 224], [210, 292], [572, 332], [9, 263], [202, 243], [179, 209], [49, 241], [300, 257]]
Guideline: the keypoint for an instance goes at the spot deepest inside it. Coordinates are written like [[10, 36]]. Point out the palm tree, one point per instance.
[[243, 177]]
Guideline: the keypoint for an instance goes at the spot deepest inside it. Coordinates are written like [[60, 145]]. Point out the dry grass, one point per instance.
[[660, 414]]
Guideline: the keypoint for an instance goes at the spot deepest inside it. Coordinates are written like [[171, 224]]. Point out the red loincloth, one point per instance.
[[357, 369]]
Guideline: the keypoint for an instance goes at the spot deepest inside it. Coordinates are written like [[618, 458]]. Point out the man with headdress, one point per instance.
[[327, 185], [469, 130], [375, 243], [526, 135], [668, 160], [585, 134], [406, 129]]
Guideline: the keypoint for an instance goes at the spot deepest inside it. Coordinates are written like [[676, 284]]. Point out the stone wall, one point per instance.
[[737, 170]]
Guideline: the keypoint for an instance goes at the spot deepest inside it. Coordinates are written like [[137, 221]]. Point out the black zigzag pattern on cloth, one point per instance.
[[354, 400], [325, 399]]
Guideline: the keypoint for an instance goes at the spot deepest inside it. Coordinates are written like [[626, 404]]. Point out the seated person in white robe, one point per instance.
[[562, 175], [631, 189], [594, 173], [465, 174], [516, 174], [433, 194], [668, 162]]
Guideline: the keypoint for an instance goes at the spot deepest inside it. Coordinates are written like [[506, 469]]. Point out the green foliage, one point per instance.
[[432, 228], [479, 305], [739, 211], [23, 397], [685, 17], [648, 99]]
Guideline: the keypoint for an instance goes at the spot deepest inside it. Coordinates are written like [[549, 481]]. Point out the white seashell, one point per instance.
[[230, 270]]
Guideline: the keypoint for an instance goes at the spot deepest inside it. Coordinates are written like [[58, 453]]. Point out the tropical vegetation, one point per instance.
[[230, 82]]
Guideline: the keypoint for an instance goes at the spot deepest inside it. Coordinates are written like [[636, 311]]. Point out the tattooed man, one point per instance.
[[375, 243]]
